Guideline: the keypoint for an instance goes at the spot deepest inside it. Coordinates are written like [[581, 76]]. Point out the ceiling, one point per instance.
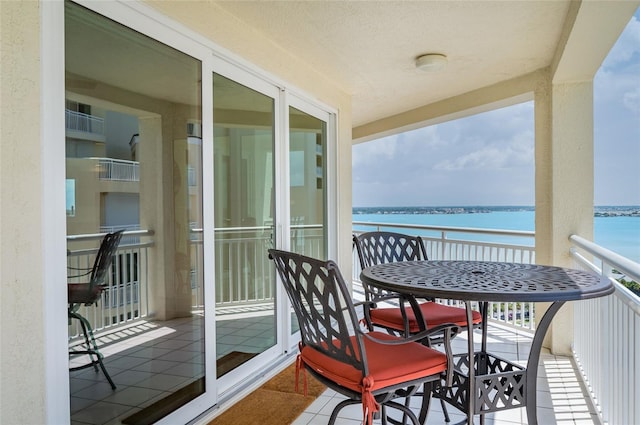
[[365, 48], [368, 48]]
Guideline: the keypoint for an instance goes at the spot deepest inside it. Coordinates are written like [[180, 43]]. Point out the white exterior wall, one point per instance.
[[21, 316]]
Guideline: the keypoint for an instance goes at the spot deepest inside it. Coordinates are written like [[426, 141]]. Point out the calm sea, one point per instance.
[[615, 228]]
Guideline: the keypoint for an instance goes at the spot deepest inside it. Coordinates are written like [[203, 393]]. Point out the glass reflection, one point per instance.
[[243, 191], [133, 159]]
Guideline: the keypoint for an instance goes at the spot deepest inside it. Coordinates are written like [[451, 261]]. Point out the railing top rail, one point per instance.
[[240, 229], [92, 236], [620, 263], [502, 232], [115, 160], [121, 247], [82, 114]]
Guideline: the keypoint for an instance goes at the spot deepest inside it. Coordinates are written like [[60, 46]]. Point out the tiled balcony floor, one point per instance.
[[561, 396], [149, 361]]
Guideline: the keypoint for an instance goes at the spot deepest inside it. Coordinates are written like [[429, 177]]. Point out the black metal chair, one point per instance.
[[371, 368], [88, 293], [384, 247]]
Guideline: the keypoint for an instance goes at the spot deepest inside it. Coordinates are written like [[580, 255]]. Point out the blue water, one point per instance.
[[615, 229]]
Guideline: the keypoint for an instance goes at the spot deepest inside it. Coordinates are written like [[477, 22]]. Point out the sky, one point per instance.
[[488, 159]]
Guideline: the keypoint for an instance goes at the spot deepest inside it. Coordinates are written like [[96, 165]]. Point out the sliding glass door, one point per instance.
[[134, 163], [244, 140], [307, 183], [205, 166]]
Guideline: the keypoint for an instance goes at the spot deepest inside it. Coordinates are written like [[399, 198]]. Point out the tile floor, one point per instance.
[[149, 361], [146, 361], [561, 396]]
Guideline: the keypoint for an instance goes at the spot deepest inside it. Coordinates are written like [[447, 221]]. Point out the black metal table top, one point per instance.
[[487, 281]]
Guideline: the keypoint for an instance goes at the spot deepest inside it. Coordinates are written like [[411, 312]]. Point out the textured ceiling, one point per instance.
[[368, 47]]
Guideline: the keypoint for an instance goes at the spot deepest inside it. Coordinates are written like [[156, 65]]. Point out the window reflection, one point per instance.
[[133, 118], [244, 212]]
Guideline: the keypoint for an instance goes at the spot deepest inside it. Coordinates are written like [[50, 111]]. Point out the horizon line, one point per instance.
[[484, 206]]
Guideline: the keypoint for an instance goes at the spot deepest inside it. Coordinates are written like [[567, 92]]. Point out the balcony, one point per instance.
[[118, 170], [597, 385], [84, 126]]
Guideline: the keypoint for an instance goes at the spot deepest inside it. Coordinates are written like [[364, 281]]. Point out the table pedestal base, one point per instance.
[[498, 384]]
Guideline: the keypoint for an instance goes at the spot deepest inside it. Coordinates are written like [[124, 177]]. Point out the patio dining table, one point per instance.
[[495, 383]]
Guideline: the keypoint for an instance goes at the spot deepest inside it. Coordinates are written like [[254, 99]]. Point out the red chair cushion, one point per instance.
[[435, 314], [388, 364], [83, 293]]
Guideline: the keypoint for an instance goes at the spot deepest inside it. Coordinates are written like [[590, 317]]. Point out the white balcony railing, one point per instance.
[[118, 170], [77, 121], [456, 243], [606, 342], [127, 239]]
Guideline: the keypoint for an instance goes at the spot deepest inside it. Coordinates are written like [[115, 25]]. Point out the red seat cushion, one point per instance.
[[385, 370], [83, 293], [435, 314]]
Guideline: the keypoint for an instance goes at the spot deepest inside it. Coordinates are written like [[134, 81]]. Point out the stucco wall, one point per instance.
[[22, 342]]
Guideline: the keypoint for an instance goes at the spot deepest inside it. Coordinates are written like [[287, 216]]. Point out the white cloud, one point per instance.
[[631, 100], [515, 153]]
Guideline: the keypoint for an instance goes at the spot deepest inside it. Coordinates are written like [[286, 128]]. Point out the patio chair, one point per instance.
[[370, 368], [89, 293], [384, 247]]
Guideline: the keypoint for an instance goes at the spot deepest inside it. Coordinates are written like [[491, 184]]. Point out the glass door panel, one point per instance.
[[307, 159], [307, 177], [244, 215], [133, 163]]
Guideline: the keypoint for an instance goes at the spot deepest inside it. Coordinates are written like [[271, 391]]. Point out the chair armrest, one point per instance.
[[387, 297], [79, 275], [366, 307], [365, 304], [87, 271], [448, 329]]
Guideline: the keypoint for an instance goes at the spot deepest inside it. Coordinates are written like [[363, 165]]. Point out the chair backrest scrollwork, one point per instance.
[[386, 247], [323, 306]]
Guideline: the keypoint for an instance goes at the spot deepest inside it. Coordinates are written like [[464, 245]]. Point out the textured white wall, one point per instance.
[[22, 341]]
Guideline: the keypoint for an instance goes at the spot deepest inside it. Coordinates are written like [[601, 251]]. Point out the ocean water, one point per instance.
[[615, 228]]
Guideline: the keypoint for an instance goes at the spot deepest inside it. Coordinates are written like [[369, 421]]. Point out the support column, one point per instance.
[[564, 184], [156, 211]]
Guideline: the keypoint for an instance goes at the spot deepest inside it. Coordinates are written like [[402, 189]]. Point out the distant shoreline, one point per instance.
[[599, 211]]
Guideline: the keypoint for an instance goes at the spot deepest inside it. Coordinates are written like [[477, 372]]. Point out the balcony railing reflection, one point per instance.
[[125, 298], [78, 121], [243, 273], [118, 170]]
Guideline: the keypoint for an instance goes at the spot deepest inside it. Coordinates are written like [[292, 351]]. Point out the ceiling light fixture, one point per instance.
[[431, 62]]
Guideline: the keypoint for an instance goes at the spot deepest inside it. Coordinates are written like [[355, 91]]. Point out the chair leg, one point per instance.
[[92, 349], [426, 400], [88, 339], [339, 407], [406, 413], [445, 411]]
